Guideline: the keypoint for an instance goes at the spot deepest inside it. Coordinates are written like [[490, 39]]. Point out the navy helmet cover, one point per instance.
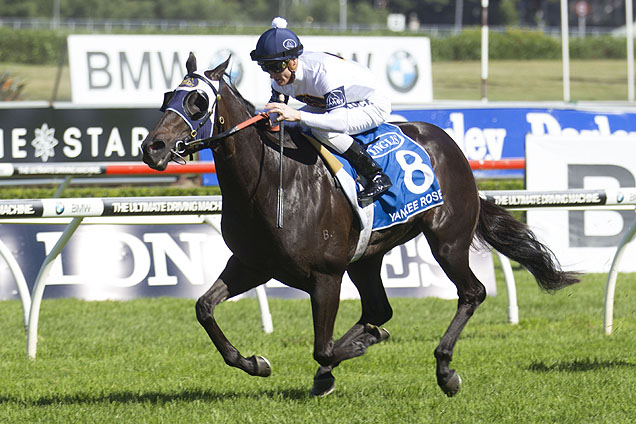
[[277, 44]]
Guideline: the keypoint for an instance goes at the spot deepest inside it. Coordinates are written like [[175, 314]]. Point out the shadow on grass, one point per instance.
[[155, 397], [580, 365]]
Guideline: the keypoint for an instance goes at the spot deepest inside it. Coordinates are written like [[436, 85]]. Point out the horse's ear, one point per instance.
[[191, 64], [217, 73]]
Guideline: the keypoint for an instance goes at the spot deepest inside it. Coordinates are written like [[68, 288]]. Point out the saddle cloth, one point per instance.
[[415, 187]]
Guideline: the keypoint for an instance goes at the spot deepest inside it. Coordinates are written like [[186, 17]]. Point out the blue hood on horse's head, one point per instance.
[[206, 88]]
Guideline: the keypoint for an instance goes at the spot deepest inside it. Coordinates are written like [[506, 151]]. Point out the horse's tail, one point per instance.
[[516, 240]]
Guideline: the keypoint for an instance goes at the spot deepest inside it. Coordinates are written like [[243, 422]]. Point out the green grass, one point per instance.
[[40, 81], [148, 361], [509, 80], [531, 80]]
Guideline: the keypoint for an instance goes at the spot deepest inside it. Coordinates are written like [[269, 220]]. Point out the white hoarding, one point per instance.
[[138, 69], [162, 256], [583, 240]]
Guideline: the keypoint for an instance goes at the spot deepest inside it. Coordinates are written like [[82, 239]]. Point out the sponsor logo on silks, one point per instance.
[[59, 208], [189, 82], [335, 98], [361, 103], [289, 44], [386, 144]]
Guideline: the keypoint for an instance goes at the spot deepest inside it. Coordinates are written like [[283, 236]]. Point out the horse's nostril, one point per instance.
[[157, 145]]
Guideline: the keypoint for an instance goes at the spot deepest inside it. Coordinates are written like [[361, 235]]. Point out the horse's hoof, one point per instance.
[[262, 366], [384, 333], [323, 385], [451, 388], [380, 333]]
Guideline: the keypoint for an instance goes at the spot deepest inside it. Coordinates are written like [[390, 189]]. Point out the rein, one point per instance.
[[190, 143], [182, 145]]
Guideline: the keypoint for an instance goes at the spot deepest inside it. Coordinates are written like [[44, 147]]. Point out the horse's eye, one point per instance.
[[195, 105]]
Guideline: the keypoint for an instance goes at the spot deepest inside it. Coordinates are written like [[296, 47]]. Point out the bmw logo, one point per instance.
[[59, 208], [620, 197], [402, 71], [235, 68]]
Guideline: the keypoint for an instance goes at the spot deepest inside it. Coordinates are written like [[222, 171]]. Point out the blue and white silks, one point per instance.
[[415, 187]]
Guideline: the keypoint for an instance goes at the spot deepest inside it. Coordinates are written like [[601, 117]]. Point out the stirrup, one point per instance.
[[376, 186]]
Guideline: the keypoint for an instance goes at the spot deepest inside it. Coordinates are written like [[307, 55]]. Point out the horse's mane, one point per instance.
[[248, 105]]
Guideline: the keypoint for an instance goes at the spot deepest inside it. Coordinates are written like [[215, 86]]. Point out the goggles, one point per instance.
[[274, 66]]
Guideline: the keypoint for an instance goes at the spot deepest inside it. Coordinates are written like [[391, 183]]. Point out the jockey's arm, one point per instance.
[[336, 120]]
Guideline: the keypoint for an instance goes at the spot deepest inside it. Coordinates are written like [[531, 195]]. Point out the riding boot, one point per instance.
[[377, 181]]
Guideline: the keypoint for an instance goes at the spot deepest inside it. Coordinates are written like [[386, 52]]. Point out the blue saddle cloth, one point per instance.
[[415, 187]]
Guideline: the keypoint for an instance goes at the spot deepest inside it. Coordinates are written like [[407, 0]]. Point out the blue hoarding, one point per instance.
[[499, 133]]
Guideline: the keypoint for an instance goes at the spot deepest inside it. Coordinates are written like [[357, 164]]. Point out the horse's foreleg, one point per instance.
[[325, 298], [376, 310], [254, 365]]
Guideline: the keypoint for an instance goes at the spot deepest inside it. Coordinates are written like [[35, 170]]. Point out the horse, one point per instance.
[[314, 248]]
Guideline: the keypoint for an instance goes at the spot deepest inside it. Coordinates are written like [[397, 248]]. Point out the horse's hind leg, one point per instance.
[[376, 310], [234, 280], [451, 250]]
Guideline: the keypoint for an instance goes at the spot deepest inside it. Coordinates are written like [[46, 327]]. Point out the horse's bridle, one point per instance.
[[190, 144]]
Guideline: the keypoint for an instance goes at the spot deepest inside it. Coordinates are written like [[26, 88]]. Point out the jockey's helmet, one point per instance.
[[277, 43]]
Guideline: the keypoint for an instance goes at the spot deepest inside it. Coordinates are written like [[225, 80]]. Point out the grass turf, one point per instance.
[[148, 361]]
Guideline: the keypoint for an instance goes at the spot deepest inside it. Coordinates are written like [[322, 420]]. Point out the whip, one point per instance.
[[281, 192]]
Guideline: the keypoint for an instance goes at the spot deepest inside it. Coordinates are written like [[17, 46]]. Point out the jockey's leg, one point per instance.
[[377, 182]]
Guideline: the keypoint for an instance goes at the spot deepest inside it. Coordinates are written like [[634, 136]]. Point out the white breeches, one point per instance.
[[361, 117]]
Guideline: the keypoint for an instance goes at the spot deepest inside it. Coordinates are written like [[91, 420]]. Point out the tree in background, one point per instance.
[[609, 13], [437, 12]]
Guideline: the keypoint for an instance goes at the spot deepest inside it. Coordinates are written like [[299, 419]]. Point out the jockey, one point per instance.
[[341, 98]]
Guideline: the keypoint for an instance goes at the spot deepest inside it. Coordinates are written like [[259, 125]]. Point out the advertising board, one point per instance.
[[62, 134], [125, 261], [583, 240], [114, 134], [138, 69], [494, 133]]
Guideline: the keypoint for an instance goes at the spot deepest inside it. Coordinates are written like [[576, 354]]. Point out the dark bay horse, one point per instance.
[[314, 248]]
